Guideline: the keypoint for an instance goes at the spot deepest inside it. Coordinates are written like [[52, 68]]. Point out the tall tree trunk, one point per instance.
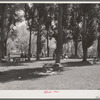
[[75, 36], [3, 21], [76, 45], [59, 35], [47, 44], [84, 45], [98, 47], [38, 41], [29, 51], [0, 50], [84, 51], [5, 48]]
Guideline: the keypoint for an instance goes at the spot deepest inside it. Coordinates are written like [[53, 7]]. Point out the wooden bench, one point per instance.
[[15, 57], [18, 57]]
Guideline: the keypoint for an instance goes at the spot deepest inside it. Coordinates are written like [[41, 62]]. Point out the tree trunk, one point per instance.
[[98, 47], [59, 35], [5, 48], [47, 45], [84, 51], [38, 41], [4, 7], [29, 51], [76, 45], [84, 45], [0, 51]]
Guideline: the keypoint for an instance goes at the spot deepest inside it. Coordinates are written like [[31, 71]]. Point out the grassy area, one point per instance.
[[23, 75]]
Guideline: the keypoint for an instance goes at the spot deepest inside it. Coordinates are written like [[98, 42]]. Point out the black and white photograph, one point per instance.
[[49, 46]]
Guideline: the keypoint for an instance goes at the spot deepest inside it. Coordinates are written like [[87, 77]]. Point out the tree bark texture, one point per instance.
[[3, 21], [38, 41], [29, 51], [76, 45], [47, 44], [84, 45], [5, 48], [98, 47], [59, 35]]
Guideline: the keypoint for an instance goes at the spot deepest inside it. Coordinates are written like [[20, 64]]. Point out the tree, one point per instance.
[[41, 12], [3, 20], [29, 15], [98, 30], [60, 34], [98, 48], [8, 17], [74, 25], [47, 24], [10, 20], [89, 26], [49, 16]]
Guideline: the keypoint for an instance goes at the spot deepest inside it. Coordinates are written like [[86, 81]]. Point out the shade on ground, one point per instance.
[[76, 75]]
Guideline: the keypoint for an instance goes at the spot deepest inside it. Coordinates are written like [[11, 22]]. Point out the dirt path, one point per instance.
[[76, 75]]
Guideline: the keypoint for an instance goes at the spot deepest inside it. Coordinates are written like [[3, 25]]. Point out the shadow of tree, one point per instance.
[[11, 64], [21, 74], [20, 63], [32, 73], [76, 64]]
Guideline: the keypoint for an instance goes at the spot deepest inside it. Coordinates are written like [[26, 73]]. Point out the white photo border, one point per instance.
[[39, 94]]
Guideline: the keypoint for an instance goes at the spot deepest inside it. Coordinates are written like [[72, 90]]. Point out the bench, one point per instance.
[[17, 57]]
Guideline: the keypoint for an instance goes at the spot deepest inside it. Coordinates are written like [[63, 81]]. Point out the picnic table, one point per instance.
[[15, 57], [19, 57]]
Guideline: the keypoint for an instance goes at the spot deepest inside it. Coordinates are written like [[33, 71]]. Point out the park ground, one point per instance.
[[76, 75]]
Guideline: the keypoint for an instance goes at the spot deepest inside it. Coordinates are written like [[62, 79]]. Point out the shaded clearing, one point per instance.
[[77, 64], [33, 73], [21, 63], [11, 64], [21, 74]]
